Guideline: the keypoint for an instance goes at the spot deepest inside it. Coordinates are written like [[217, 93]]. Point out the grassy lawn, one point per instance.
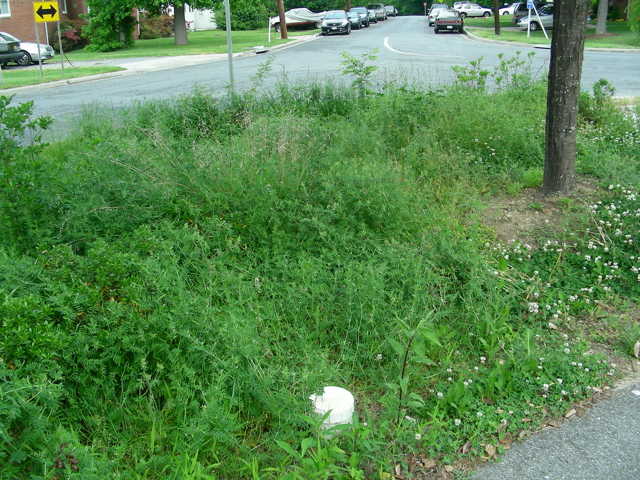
[[505, 21], [210, 41], [21, 78], [622, 37], [177, 278]]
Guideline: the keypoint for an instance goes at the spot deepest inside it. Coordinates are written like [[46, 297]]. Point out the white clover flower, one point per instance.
[[379, 357], [440, 394], [418, 436], [559, 381], [479, 414], [457, 422]]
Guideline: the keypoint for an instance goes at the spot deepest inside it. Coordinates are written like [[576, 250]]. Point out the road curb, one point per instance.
[[545, 47]]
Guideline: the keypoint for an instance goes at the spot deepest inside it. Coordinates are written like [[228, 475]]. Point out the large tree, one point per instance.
[[565, 71]]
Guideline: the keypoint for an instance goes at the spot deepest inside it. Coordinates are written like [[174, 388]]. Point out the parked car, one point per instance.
[[373, 18], [9, 51], [473, 10], [510, 10], [29, 50], [439, 5], [448, 21], [364, 15], [335, 21], [355, 20], [433, 14], [381, 13], [546, 18], [391, 10], [523, 11]]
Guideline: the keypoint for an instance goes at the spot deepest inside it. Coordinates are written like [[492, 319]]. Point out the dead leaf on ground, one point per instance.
[[581, 412], [465, 448], [570, 413], [523, 434], [448, 468], [554, 423], [491, 450], [526, 420]]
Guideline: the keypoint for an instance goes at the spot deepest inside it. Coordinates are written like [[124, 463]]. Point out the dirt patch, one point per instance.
[[524, 216]]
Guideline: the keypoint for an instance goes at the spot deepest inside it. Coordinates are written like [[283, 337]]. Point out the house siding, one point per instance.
[[21, 24]]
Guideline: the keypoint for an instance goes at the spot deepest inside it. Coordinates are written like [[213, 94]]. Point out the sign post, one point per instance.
[[529, 7], [44, 12], [227, 15]]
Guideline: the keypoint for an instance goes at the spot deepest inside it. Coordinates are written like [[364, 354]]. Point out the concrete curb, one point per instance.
[[127, 72], [546, 47]]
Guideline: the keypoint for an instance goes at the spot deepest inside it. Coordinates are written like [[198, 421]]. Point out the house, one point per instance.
[[16, 17]]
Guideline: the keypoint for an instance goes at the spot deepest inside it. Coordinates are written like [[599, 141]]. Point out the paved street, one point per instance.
[[407, 50]]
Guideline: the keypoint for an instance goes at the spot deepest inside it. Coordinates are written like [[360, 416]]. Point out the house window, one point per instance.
[[5, 10]]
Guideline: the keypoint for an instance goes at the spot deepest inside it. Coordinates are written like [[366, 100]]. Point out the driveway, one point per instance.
[[407, 50]]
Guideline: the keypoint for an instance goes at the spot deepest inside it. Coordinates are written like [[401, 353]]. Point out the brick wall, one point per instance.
[[21, 24]]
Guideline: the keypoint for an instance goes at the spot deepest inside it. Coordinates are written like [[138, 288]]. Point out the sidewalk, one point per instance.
[[602, 445]]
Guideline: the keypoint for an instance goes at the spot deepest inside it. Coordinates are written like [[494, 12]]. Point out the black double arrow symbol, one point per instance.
[[42, 12]]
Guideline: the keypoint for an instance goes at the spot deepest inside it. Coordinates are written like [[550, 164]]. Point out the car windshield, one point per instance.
[[334, 15], [373, 7], [8, 37], [546, 10], [438, 11], [448, 14], [359, 10]]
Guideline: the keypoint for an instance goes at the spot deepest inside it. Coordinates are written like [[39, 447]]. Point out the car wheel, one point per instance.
[[463, 15], [505, 13], [535, 26], [435, 30], [461, 30], [276, 27], [486, 14], [25, 59]]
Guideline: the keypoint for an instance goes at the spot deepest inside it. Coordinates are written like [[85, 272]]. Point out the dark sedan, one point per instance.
[[448, 21], [336, 21], [9, 51], [356, 20]]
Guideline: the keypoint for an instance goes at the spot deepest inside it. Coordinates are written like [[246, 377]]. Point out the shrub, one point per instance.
[[160, 26], [72, 35]]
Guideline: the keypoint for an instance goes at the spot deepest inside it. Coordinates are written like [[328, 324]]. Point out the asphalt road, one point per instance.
[[407, 50], [602, 445]]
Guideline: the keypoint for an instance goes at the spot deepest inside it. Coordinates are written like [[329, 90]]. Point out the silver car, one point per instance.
[[29, 50], [546, 18]]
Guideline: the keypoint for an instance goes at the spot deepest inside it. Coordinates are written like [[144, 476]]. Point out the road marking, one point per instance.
[[388, 46]]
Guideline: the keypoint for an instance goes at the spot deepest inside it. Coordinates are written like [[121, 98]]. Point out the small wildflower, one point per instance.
[[457, 422], [418, 436]]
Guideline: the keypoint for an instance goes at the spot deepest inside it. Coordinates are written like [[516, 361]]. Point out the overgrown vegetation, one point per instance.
[[177, 278]]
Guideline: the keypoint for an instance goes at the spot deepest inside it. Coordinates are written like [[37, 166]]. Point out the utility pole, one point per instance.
[[227, 15], [283, 21], [565, 71]]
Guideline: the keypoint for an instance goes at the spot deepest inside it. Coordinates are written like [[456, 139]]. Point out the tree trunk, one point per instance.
[[565, 70], [603, 11], [347, 5], [283, 21], [496, 16], [179, 25]]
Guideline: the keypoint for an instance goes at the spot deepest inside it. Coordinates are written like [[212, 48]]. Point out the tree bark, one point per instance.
[[603, 11], [179, 25], [565, 70], [283, 21], [496, 16], [347, 5]]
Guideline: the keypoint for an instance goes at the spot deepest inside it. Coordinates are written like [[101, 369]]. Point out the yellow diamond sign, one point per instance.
[[46, 12]]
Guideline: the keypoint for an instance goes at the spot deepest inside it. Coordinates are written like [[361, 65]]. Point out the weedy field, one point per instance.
[[177, 278]]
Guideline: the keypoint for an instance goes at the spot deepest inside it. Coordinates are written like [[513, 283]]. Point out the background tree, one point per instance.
[[496, 16], [633, 15], [179, 23], [603, 11], [110, 24], [565, 71]]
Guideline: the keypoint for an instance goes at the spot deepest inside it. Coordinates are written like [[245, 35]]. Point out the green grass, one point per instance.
[[20, 78], [622, 37], [505, 21], [204, 42], [176, 279]]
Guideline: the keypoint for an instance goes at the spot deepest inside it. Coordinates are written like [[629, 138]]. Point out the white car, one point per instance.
[[30, 50], [473, 10], [546, 17], [510, 10], [433, 14]]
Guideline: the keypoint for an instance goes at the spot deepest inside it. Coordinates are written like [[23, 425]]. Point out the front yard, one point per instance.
[[618, 36], [205, 42]]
